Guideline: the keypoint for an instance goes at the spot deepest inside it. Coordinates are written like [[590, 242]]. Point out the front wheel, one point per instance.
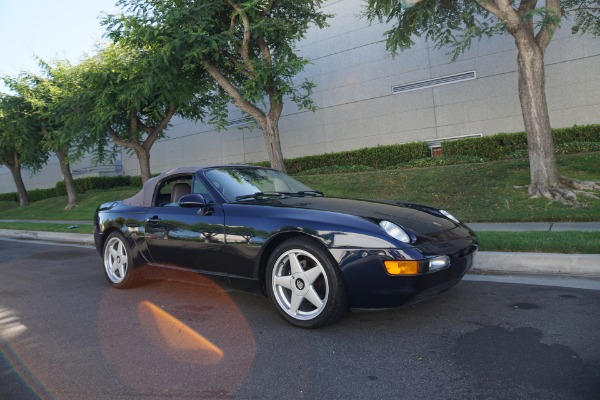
[[305, 284], [118, 262]]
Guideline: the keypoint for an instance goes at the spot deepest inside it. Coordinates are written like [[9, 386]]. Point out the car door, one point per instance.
[[185, 237]]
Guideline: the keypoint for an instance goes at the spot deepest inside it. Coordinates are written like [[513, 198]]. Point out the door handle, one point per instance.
[[153, 219]]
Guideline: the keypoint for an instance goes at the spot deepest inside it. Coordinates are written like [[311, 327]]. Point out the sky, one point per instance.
[[50, 29]]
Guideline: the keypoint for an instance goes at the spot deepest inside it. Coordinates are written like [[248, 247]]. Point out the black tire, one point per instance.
[[305, 284], [119, 268]]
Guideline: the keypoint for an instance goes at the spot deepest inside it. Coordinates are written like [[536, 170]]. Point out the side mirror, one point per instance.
[[192, 200]]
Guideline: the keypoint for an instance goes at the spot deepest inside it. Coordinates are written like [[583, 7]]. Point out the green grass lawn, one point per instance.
[[541, 242], [488, 192], [47, 227], [8, 205], [54, 208]]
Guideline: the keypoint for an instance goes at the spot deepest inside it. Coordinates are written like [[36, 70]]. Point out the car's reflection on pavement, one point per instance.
[[185, 329]]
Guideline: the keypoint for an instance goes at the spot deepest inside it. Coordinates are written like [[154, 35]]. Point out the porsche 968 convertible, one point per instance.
[[254, 227]]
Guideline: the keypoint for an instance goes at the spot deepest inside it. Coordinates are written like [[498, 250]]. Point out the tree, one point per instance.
[[130, 95], [20, 141], [455, 23], [246, 46], [48, 97]]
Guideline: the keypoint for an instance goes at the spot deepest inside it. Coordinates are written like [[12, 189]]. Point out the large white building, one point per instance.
[[365, 98]]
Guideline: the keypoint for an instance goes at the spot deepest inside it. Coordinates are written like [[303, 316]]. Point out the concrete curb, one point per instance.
[[75, 238], [486, 262], [495, 262]]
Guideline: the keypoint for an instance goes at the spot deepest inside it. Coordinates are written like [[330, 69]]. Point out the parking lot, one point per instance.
[[65, 334]]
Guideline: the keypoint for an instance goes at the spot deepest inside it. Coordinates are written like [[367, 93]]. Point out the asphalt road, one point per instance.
[[64, 334]]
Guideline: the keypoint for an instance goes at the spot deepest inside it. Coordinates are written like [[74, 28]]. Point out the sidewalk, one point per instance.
[[49, 221], [584, 265], [536, 226], [486, 262]]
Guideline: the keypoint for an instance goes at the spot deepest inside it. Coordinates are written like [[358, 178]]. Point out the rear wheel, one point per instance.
[[118, 263], [305, 284]]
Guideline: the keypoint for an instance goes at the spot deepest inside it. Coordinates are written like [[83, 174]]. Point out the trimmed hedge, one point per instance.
[[577, 147], [379, 157], [136, 181], [33, 195], [41, 194], [83, 185], [507, 145], [9, 196], [577, 133]]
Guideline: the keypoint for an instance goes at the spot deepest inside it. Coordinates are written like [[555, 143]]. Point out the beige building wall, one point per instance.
[[354, 75]]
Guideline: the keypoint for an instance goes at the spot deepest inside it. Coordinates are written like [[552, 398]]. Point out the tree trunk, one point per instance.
[[143, 156], [532, 82], [268, 123], [270, 130], [65, 168], [15, 170]]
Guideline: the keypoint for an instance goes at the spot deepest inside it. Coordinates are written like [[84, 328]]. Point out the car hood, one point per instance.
[[423, 221]]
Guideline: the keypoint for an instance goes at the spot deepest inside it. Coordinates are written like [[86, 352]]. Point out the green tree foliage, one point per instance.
[[20, 140], [49, 96], [455, 24], [130, 95], [246, 46]]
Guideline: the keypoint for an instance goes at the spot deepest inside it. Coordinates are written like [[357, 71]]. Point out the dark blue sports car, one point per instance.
[[312, 255]]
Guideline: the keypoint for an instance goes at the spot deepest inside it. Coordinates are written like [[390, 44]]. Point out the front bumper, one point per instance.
[[368, 285]]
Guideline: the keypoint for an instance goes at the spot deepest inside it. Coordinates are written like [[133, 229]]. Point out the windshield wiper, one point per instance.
[[308, 193], [259, 195], [279, 195]]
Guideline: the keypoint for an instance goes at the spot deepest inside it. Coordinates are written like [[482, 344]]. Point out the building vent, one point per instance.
[[237, 122], [444, 80], [435, 145]]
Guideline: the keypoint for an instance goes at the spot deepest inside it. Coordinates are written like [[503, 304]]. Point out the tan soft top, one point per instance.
[[143, 198]]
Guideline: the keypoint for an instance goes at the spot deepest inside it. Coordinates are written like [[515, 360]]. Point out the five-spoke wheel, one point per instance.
[[305, 284], [118, 263]]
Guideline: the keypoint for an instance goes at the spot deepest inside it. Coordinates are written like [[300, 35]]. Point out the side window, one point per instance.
[[171, 190], [200, 188]]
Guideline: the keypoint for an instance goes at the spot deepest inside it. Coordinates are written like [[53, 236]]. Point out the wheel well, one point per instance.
[[270, 248], [105, 235]]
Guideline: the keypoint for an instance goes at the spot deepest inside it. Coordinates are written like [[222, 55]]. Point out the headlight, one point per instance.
[[450, 216], [395, 231]]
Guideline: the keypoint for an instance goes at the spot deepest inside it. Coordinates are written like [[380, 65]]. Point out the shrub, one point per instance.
[[577, 147], [83, 185], [41, 194], [33, 195], [513, 145], [492, 147], [577, 133], [379, 157], [337, 169], [9, 196], [136, 181]]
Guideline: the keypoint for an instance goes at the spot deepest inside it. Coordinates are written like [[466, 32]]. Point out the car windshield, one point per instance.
[[237, 184]]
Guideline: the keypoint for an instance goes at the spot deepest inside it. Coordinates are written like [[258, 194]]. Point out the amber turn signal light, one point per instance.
[[402, 267]]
